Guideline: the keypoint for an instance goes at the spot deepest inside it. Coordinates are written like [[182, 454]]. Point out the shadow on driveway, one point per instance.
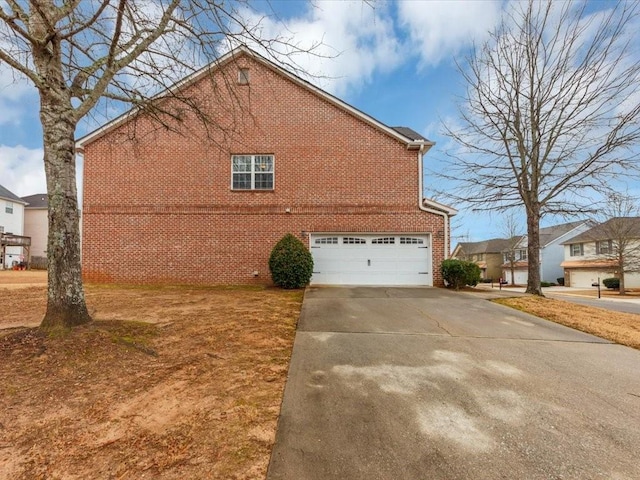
[[419, 383]]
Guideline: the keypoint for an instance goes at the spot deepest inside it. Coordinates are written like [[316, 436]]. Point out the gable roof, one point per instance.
[[602, 231], [403, 134], [493, 245], [38, 200], [409, 133], [8, 195], [550, 234]]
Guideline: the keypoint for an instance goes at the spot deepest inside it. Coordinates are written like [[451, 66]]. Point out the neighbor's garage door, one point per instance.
[[584, 278], [384, 259], [520, 276]]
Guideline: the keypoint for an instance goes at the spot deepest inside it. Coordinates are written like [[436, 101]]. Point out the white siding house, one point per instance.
[[551, 253], [11, 221], [589, 256]]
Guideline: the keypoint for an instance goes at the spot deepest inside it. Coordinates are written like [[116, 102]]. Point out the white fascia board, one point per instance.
[[439, 206], [411, 143], [13, 200], [566, 234]]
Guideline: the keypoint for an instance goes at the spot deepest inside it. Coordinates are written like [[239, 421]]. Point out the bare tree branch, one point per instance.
[[551, 113], [81, 55]]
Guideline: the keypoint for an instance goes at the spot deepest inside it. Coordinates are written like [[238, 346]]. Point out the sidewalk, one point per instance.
[[561, 291]]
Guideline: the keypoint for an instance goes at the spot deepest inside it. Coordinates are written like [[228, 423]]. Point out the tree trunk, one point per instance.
[[66, 305], [533, 250], [513, 274], [621, 275]]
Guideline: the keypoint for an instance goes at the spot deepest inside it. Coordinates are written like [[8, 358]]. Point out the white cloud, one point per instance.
[[14, 87], [351, 41], [442, 29], [22, 170]]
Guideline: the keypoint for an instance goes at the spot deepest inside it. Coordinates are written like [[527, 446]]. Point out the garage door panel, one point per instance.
[[372, 259], [584, 278]]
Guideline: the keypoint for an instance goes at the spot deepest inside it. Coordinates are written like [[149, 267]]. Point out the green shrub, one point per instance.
[[458, 273], [473, 274], [290, 263], [613, 283], [547, 284]]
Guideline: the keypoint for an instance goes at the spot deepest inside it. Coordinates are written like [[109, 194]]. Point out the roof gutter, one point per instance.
[[432, 206]]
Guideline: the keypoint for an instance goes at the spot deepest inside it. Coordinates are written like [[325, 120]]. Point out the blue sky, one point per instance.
[[392, 60]]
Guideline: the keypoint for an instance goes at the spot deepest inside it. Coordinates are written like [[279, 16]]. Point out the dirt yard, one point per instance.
[[623, 328], [167, 383]]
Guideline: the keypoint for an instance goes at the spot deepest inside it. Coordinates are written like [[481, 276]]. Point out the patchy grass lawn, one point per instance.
[[167, 383], [623, 328]]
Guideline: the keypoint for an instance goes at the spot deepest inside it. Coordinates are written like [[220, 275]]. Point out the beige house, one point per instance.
[[36, 225], [487, 254]]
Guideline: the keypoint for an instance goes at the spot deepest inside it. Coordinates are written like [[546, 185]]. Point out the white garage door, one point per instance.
[[521, 276], [584, 278], [382, 259]]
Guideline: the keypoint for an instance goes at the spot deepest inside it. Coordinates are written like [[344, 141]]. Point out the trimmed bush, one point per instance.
[[547, 284], [560, 281], [290, 263], [458, 273], [613, 283]]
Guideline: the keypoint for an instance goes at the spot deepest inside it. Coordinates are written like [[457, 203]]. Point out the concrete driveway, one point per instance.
[[403, 383]]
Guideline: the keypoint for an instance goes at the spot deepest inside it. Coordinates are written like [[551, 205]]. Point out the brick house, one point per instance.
[[193, 203]]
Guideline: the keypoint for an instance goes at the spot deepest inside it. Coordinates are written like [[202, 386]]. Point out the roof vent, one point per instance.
[[243, 76]]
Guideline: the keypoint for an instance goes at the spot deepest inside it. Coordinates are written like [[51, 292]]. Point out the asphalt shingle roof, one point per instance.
[[603, 231], [549, 234], [409, 133], [39, 200], [4, 193], [494, 245]]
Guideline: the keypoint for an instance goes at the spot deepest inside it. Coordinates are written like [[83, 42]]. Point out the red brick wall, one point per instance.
[[158, 204]]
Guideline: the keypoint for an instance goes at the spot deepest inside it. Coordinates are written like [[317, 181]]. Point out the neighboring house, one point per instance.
[[551, 253], [186, 204], [591, 255], [36, 225], [12, 246], [487, 254]]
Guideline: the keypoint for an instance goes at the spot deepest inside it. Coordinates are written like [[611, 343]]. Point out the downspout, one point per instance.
[[423, 149]]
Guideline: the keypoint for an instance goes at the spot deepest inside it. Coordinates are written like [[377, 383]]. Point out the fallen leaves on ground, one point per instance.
[[623, 328], [167, 383]]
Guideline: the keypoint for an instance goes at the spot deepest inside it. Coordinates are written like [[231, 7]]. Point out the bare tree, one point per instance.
[[617, 236], [550, 114], [79, 54], [511, 230]]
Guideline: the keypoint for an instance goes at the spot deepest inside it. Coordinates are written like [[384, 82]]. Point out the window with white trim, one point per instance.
[[411, 241], [326, 241], [252, 172], [8, 207], [353, 240], [576, 249], [384, 241], [1, 228]]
